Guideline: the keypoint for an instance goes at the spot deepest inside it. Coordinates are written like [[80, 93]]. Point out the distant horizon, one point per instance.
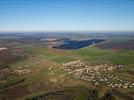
[[67, 31]]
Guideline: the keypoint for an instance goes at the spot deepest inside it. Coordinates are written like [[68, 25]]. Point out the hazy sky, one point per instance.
[[66, 15]]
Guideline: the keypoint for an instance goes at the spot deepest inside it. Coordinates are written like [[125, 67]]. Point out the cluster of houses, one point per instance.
[[99, 74], [22, 70]]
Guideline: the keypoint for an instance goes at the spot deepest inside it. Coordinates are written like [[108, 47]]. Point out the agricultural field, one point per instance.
[[31, 68]]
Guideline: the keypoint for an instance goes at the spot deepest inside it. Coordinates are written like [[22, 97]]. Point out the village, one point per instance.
[[22, 70], [99, 74]]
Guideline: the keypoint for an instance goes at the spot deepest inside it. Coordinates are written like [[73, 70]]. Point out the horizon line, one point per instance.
[[99, 31]]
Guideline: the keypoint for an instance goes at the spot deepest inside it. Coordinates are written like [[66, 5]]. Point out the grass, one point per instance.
[[10, 81], [62, 58], [92, 51], [95, 54], [13, 79], [79, 93]]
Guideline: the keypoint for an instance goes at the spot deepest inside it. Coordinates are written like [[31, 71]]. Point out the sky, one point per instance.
[[66, 15]]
